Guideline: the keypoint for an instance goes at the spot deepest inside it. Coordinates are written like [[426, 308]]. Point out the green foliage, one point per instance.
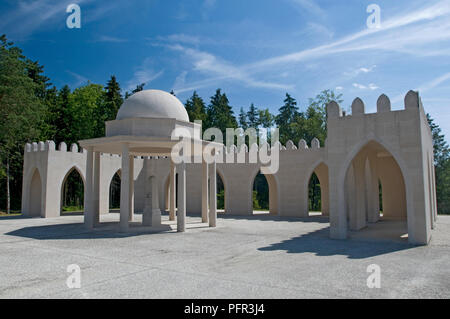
[[219, 113], [441, 152], [260, 193], [220, 193], [73, 192], [114, 192], [221, 199], [196, 108], [112, 101], [287, 115], [243, 119], [21, 112], [138, 88], [314, 198]]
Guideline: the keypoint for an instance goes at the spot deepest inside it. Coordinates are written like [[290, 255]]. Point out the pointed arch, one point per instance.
[[320, 168], [69, 172], [370, 161], [35, 202], [274, 191], [114, 190], [221, 179]]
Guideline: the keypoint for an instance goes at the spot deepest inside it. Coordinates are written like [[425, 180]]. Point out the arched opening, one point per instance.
[[318, 203], [72, 192], [167, 192], [264, 194], [114, 192], [375, 191], [35, 203], [380, 198], [221, 204]]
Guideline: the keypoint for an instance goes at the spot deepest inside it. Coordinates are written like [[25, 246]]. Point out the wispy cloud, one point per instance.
[[309, 5], [433, 83], [30, 16], [207, 6], [105, 38], [360, 70], [399, 33], [371, 86], [145, 73], [178, 38], [313, 28], [219, 69], [180, 81], [79, 79]]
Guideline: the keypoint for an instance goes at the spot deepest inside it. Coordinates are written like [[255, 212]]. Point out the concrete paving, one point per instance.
[[244, 257]]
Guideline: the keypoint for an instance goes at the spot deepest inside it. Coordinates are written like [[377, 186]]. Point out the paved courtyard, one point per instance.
[[244, 257]]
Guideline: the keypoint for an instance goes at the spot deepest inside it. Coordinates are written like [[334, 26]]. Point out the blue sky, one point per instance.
[[255, 50]]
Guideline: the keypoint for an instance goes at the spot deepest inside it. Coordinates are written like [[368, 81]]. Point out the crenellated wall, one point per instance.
[[391, 148]]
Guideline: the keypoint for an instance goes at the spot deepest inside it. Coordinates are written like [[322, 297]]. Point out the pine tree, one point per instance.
[[60, 117], [196, 108], [253, 116], [139, 87], [113, 99], [112, 102], [441, 153], [219, 113], [286, 117], [243, 119], [266, 120], [22, 112]]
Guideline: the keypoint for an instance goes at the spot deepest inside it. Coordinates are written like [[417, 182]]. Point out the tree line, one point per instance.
[[32, 109]]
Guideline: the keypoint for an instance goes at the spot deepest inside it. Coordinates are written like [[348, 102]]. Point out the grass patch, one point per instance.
[[73, 208], [13, 213]]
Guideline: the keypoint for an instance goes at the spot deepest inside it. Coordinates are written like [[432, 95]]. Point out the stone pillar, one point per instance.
[[126, 180], [213, 195], [172, 186], [96, 189], [373, 199], [88, 191], [338, 214], [181, 211], [131, 189], [152, 213], [204, 191], [358, 218]]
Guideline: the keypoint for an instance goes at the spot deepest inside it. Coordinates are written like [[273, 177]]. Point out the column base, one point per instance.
[[151, 217]]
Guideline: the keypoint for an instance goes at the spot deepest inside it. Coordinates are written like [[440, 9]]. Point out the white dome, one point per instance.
[[152, 104]]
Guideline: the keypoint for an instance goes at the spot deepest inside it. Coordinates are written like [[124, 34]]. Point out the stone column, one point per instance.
[[131, 189], [358, 219], [172, 186], [152, 213], [373, 200], [338, 214], [126, 180], [88, 191], [181, 211], [96, 190], [204, 191], [213, 195]]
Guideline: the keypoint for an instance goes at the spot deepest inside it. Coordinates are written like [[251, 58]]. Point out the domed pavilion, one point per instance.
[[150, 123]]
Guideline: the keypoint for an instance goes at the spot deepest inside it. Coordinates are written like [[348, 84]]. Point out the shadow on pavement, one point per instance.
[[319, 243]]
